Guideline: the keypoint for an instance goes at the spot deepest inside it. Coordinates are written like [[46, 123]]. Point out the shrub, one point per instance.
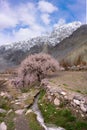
[[65, 64], [77, 62], [35, 68]]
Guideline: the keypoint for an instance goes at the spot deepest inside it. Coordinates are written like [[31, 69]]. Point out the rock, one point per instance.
[[78, 97], [2, 94], [82, 115], [59, 128], [73, 104], [18, 103], [9, 111], [29, 111], [19, 112], [63, 93], [3, 126], [83, 108], [49, 97], [56, 102], [77, 110], [77, 102], [56, 94], [62, 69], [66, 97], [85, 100], [82, 101], [5, 94], [48, 86], [2, 110]]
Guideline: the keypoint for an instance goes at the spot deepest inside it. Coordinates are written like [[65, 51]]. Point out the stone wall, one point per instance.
[[77, 68], [65, 98]]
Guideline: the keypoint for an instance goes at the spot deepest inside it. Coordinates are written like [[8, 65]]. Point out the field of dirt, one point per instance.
[[71, 80]]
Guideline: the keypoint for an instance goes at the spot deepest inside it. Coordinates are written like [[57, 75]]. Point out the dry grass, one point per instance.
[[76, 57], [71, 80]]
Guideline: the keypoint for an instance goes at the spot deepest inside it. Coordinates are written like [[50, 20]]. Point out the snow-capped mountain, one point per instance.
[[56, 36], [65, 41], [62, 31]]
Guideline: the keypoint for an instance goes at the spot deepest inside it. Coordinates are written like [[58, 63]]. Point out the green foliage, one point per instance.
[[60, 117], [42, 93], [9, 119], [78, 91], [5, 103], [62, 104], [31, 87], [33, 123], [2, 116]]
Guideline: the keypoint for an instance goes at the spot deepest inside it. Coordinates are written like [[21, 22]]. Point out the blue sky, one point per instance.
[[24, 19]]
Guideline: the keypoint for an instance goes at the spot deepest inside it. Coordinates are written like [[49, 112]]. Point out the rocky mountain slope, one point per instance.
[[73, 46]]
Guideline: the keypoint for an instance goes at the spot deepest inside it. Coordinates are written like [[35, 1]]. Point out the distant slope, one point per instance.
[[72, 46], [4, 64], [78, 55]]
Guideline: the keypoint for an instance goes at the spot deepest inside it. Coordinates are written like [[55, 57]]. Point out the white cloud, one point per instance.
[[26, 33], [11, 17], [7, 21], [24, 20], [22, 34], [46, 18], [46, 7], [7, 16], [27, 13]]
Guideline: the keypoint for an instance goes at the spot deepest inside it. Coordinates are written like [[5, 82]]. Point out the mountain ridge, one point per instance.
[[59, 50], [56, 36]]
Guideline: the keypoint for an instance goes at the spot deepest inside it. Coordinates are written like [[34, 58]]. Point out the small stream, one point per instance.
[[40, 118]]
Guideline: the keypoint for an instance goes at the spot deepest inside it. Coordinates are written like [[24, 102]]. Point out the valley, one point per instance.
[[15, 104], [57, 100]]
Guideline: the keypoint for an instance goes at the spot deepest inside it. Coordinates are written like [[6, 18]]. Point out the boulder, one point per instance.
[[28, 111], [77, 102], [83, 107], [2, 110], [56, 102], [3, 126], [63, 93], [19, 112]]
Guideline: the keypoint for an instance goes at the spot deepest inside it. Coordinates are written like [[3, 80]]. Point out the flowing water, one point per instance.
[[40, 118]]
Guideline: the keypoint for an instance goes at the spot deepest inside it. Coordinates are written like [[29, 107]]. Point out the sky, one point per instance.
[[24, 19]]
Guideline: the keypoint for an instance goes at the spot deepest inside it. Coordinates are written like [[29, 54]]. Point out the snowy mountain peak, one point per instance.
[[72, 24], [59, 33], [64, 30]]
